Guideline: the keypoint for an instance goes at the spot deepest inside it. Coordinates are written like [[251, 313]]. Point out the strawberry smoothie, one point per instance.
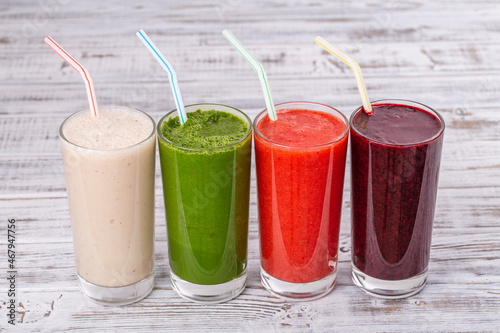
[[300, 160]]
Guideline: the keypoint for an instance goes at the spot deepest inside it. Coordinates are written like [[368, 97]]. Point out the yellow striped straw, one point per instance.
[[355, 68]]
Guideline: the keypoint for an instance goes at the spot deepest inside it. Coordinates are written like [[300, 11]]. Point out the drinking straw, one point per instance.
[[169, 69], [80, 69], [355, 68], [258, 68]]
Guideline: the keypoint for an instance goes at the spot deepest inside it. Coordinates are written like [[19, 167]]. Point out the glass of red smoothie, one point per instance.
[[395, 158], [300, 162]]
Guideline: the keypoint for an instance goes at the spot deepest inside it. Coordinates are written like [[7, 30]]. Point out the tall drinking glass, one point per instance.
[[205, 167], [395, 158], [109, 163], [300, 161]]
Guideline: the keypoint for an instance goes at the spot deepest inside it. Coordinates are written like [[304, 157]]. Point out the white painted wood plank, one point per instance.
[[345, 309], [130, 61], [456, 91], [372, 20]]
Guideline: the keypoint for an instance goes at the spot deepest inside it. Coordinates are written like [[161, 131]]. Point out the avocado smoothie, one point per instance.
[[206, 184]]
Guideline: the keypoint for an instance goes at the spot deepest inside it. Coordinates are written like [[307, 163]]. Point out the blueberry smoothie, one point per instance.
[[395, 158]]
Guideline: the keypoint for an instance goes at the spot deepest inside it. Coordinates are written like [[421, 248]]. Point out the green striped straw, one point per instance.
[[258, 68]]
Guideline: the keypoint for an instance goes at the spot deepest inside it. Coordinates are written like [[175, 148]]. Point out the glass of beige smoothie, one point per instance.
[[109, 164]]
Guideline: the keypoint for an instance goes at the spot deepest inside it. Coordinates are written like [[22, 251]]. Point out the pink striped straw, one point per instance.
[[87, 79]]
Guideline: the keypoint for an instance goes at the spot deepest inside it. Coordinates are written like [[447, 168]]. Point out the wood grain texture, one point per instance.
[[441, 53]]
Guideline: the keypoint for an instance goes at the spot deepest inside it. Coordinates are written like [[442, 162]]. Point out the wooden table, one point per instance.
[[441, 53]]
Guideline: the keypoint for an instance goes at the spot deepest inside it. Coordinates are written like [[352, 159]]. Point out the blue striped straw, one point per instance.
[[169, 69]]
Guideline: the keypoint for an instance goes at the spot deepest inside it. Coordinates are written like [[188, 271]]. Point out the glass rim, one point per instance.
[[259, 117], [213, 105], [65, 139], [404, 102]]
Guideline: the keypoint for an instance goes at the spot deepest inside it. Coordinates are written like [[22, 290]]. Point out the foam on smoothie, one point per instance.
[[299, 127], [205, 129], [115, 128], [397, 124]]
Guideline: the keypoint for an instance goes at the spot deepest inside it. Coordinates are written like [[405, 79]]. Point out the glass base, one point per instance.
[[117, 296], [209, 293], [390, 289], [298, 291]]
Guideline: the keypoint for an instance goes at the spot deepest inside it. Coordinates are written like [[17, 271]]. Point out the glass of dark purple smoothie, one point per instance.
[[395, 158]]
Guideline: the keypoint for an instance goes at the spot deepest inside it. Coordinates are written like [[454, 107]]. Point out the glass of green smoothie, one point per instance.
[[205, 166]]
